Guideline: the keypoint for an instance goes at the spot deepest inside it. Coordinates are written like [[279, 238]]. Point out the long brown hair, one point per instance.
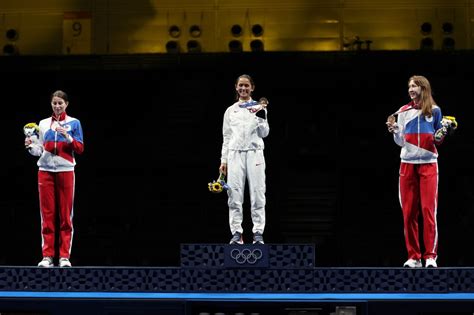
[[60, 94], [427, 101]]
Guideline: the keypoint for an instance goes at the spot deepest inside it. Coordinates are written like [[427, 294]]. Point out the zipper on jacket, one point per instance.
[[419, 138], [55, 142]]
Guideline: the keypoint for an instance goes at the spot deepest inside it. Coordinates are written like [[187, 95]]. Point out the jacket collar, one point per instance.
[[414, 105], [61, 117]]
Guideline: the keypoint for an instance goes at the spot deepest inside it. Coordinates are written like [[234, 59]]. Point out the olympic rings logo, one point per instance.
[[246, 255]]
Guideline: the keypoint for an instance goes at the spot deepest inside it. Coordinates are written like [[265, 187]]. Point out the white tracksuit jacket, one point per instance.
[[242, 150]]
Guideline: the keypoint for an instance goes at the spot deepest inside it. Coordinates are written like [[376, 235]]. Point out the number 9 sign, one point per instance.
[[77, 33], [76, 29]]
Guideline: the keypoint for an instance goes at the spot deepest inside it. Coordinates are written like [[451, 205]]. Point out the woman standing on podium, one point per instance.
[[245, 125], [60, 137], [418, 130]]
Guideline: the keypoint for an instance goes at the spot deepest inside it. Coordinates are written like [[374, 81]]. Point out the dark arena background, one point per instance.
[[151, 239]]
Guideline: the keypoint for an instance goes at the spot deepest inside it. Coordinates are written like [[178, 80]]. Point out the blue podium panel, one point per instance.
[[24, 279], [280, 256], [248, 280], [118, 279], [242, 279], [202, 255], [290, 256]]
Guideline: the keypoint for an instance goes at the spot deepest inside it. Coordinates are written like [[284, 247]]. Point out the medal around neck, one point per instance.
[[254, 106]]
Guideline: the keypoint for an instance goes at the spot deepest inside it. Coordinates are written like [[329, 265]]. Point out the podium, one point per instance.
[[247, 268], [279, 256]]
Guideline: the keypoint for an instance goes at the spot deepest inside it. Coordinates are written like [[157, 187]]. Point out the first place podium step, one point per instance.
[[248, 256]]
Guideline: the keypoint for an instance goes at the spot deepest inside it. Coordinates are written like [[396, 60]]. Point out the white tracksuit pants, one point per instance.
[[242, 165]]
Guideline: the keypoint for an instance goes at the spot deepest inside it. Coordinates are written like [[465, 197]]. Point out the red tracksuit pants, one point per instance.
[[56, 194], [418, 192]]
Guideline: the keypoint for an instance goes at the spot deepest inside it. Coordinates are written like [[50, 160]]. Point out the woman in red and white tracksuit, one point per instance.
[[417, 131], [60, 137]]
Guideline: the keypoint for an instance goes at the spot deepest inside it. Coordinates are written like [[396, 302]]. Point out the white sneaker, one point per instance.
[[431, 263], [47, 262], [237, 239], [64, 262], [413, 263]]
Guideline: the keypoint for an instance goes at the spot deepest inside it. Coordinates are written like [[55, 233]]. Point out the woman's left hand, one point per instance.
[[263, 102], [62, 131]]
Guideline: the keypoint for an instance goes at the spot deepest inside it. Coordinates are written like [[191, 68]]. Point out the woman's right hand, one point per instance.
[[223, 168], [28, 142], [392, 127], [392, 124]]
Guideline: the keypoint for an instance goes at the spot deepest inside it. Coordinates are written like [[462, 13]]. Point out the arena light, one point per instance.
[[256, 45], [195, 31], [447, 28], [236, 30], [194, 46], [172, 47], [427, 43], [174, 31], [448, 43], [235, 46], [11, 34], [426, 28], [10, 50], [257, 30]]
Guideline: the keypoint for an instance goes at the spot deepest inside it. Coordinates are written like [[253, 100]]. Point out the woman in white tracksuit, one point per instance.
[[244, 127]]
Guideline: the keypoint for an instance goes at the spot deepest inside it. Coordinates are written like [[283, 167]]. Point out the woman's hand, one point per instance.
[[28, 142], [223, 168], [62, 131], [392, 124]]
